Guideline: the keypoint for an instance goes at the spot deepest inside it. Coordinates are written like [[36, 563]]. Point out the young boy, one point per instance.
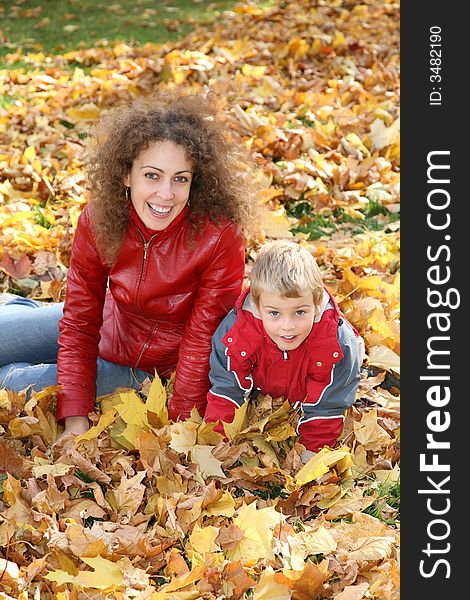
[[286, 337]]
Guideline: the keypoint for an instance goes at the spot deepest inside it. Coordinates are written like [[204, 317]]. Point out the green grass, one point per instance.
[[376, 218], [386, 506], [55, 26], [6, 101]]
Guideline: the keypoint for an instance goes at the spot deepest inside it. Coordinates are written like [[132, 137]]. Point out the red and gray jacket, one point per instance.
[[322, 374], [155, 309]]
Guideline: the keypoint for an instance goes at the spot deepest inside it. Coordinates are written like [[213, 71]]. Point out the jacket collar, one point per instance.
[[248, 334], [149, 233]]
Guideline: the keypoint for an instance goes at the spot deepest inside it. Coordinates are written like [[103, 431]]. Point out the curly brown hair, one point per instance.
[[223, 183]]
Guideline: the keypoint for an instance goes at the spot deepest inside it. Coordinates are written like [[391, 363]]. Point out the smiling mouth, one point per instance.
[[159, 211], [288, 338]]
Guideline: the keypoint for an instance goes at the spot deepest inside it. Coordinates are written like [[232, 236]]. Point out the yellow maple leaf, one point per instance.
[[371, 548], [66, 563], [24, 427], [108, 402], [318, 542], [388, 329], [85, 112], [156, 401], [369, 433], [183, 436], [56, 470], [105, 574], [275, 223], [30, 153], [224, 507], [374, 285], [206, 436], [202, 539], [320, 464], [257, 525], [60, 577], [238, 423], [133, 411], [183, 580], [382, 136], [253, 71], [339, 40], [95, 431], [208, 465], [268, 588]]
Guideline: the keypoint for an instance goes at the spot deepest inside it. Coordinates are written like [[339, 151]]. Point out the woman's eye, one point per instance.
[[151, 175], [181, 179]]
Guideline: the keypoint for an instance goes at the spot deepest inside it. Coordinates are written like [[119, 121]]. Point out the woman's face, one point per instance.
[[159, 181]]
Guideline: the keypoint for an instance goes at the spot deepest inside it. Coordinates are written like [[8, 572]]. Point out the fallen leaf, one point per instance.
[[208, 465], [353, 592], [320, 463]]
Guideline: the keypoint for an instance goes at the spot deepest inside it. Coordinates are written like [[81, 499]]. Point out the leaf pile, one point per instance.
[[140, 507]]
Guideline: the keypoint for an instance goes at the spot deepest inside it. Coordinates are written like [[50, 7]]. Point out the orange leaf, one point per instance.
[[16, 269], [11, 461], [236, 574]]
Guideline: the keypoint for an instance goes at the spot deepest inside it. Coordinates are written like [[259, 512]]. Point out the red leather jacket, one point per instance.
[[156, 308]]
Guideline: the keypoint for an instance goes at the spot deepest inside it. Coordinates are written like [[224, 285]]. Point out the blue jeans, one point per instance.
[[29, 332]]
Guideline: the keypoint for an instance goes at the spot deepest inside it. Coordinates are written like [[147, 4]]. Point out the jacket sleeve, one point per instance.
[[219, 287], [227, 393], [322, 420], [79, 328]]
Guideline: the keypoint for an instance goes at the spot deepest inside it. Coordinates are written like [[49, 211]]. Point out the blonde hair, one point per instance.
[[286, 268]]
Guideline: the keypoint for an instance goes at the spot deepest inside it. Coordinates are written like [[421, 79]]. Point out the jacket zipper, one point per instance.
[[146, 247], [285, 356], [144, 347]]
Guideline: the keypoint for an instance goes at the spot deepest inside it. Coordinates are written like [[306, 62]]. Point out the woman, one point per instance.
[[157, 261]]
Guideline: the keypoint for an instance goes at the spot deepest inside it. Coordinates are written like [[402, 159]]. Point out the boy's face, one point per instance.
[[287, 321]]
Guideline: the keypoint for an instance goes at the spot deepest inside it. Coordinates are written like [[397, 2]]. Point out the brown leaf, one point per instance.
[[309, 586], [12, 462], [235, 574], [353, 592], [229, 537], [19, 268], [72, 457]]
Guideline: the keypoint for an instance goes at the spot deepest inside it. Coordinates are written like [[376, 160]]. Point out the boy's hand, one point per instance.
[[306, 455]]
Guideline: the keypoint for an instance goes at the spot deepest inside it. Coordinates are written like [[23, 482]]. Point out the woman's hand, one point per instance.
[[74, 426], [306, 456]]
